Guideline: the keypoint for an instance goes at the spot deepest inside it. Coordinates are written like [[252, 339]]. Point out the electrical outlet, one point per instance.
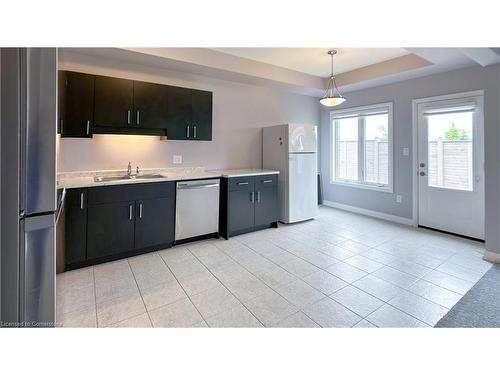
[[406, 151], [399, 198], [177, 159]]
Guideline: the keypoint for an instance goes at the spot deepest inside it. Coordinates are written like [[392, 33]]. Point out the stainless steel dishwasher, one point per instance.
[[197, 208]]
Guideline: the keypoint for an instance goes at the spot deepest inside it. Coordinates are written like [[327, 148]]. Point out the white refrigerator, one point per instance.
[[292, 149]]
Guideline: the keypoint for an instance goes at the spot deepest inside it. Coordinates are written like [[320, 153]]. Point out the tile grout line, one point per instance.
[[140, 293], [187, 295], [229, 290]]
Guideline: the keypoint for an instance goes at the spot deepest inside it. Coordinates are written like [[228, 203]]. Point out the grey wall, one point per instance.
[[239, 113], [402, 94]]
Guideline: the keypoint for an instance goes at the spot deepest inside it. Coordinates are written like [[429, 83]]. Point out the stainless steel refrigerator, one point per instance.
[[28, 190], [292, 149]]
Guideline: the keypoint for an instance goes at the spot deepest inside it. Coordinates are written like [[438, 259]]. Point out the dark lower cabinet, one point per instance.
[[75, 237], [154, 222], [241, 210], [112, 222], [248, 204], [266, 206], [110, 229]]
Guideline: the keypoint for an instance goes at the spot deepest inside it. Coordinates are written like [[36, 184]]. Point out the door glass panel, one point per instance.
[[450, 150], [347, 149], [377, 149]]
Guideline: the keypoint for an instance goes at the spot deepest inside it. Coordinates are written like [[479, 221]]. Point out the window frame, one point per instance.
[[360, 112]]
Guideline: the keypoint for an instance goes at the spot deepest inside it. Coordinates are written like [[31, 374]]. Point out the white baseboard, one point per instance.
[[376, 214], [492, 257]]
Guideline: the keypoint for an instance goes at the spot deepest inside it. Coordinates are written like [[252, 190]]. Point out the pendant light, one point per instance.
[[332, 96]]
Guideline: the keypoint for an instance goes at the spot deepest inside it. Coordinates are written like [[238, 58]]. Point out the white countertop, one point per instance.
[[86, 179], [244, 172]]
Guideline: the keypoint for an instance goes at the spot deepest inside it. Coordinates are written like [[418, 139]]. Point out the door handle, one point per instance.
[[81, 201], [422, 173], [88, 127], [267, 181], [128, 117], [242, 183], [130, 208], [187, 132], [258, 197], [137, 118], [140, 210], [194, 131], [252, 197]]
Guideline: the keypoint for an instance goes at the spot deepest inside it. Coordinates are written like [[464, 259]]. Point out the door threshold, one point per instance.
[[453, 234]]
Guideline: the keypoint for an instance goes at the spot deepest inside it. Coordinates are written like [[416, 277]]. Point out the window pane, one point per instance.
[[449, 137], [347, 149], [376, 149]]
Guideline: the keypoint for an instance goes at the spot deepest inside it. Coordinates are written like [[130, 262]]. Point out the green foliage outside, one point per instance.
[[454, 134]]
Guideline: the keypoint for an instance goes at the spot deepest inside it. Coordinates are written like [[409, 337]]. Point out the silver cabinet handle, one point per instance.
[[258, 197], [62, 126], [252, 197], [242, 183], [81, 201], [128, 117], [88, 127], [140, 210], [194, 131], [137, 118], [187, 132], [267, 181], [130, 212]]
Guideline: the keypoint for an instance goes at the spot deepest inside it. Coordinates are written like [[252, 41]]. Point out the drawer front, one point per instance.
[[266, 180], [241, 183], [121, 193]]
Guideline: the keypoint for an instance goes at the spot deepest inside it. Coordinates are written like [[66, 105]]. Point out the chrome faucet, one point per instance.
[[129, 169]]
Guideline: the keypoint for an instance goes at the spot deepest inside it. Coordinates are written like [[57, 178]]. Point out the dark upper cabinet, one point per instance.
[[150, 106], [113, 102], [154, 222], [202, 115], [76, 104], [179, 113], [110, 229], [91, 104], [75, 226]]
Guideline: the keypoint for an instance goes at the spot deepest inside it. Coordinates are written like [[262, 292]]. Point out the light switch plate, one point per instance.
[[177, 159], [399, 198], [406, 151]]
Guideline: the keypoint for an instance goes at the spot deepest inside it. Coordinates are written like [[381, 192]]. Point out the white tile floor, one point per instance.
[[340, 270]]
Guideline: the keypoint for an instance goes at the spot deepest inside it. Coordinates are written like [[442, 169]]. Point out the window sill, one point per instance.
[[384, 189]]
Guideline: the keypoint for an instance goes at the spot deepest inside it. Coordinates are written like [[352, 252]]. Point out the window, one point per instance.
[[362, 147]]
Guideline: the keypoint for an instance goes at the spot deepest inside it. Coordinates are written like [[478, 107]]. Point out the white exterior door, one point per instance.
[[303, 187], [451, 164]]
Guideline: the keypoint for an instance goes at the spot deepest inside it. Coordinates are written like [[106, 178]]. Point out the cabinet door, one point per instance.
[[76, 101], [202, 115], [110, 229], [241, 204], [154, 222], [75, 226], [113, 102], [266, 205], [180, 125], [150, 105]]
